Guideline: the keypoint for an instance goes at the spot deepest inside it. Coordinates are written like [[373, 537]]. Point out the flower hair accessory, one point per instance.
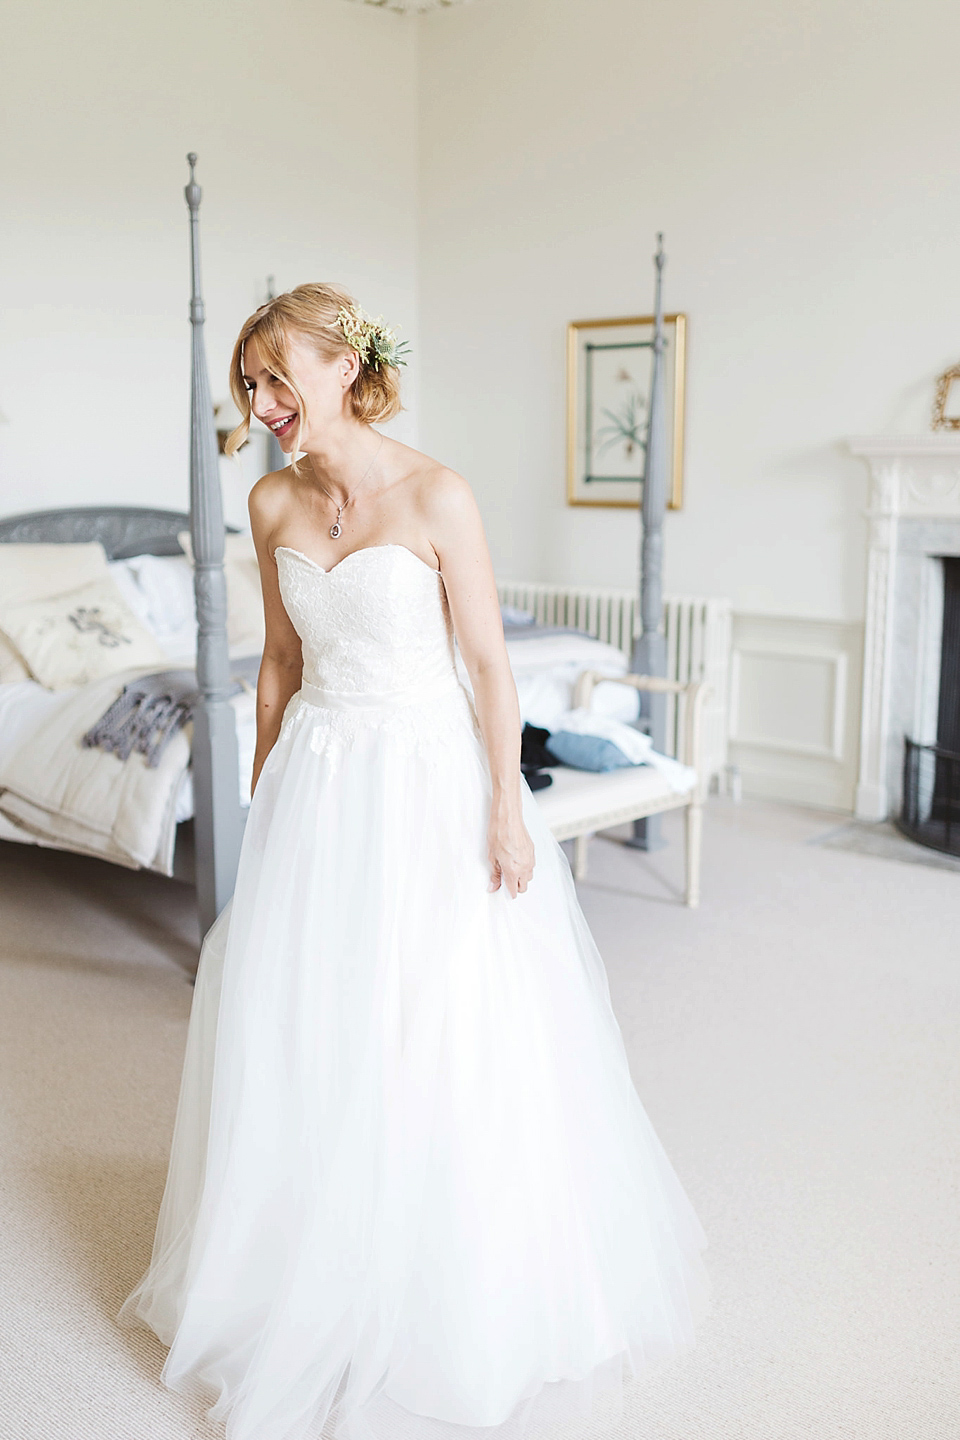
[[373, 340]]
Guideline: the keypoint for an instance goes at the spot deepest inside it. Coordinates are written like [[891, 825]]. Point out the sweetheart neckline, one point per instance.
[[391, 545]]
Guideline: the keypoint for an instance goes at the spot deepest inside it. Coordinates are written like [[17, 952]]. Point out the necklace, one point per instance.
[[336, 529]]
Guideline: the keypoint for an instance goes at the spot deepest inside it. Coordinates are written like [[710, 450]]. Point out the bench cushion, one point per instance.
[[581, 801]]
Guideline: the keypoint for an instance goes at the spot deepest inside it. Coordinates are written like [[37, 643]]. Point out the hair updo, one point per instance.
[[313, 311]]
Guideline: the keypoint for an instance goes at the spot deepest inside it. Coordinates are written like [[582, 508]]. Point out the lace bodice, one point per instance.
[[377, 622]]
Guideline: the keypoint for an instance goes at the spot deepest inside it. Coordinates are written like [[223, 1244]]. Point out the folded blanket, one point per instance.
[[80, 797], [151, 709]]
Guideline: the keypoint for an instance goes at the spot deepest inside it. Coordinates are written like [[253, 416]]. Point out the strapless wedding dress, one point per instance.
[[412, 1192]]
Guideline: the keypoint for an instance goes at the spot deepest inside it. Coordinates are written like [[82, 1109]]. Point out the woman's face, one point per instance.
[[324, 384]]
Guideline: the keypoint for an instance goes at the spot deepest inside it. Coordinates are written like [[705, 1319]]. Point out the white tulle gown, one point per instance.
[[412, 1192]]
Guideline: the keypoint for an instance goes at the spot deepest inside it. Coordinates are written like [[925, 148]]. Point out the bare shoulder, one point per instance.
[[270, 491], [268, 501], [442, 496], [450, 518]]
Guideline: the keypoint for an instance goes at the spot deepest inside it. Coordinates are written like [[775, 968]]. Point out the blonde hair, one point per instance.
[[312, 311]]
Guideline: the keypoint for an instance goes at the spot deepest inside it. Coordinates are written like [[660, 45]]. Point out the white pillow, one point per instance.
[[34, 572], [159, 591], [245, 628], [79, 636]]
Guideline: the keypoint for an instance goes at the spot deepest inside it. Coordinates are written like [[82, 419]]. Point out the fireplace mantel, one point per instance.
[[914, 510]]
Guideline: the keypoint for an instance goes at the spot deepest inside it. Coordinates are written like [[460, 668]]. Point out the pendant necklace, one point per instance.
[[336, 529]]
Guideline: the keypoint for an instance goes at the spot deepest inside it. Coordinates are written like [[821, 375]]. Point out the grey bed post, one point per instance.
[[218, 823], [276, 460], [650, 646]]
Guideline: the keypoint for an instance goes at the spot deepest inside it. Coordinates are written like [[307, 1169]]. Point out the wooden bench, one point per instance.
[[581, 802]]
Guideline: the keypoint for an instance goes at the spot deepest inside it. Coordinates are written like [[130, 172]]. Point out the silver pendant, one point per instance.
[[335, 530]]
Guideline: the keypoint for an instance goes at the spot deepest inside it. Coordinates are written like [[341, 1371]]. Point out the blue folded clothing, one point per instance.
[[587, 752], [597, 742]]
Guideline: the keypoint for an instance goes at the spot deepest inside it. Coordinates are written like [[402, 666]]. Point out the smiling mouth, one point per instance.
[[284, 425]]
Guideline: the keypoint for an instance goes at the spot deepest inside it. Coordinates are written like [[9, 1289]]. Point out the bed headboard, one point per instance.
[[123, 530]]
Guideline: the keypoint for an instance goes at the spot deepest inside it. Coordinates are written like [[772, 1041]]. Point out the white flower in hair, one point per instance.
[[373, 339]]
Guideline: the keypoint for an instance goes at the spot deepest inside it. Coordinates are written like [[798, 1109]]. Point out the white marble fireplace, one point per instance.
[[914, 520]]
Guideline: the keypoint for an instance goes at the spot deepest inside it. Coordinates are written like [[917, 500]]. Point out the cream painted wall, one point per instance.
[[303, 113], [803, 162]]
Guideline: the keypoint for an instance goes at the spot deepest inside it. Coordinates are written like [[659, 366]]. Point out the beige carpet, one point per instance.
[[795, 1042]]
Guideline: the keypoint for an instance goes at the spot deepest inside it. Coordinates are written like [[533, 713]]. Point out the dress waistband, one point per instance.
[[422, 694]]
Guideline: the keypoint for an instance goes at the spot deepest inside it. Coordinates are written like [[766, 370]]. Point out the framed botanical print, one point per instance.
[[609, 369]]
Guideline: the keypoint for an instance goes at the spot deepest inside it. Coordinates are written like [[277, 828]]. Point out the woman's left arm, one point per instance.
[[456, 532]]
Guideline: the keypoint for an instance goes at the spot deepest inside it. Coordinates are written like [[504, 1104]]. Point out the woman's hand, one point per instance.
[[510, 852]]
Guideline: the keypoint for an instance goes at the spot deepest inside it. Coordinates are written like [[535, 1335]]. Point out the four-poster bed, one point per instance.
[[580, 803]]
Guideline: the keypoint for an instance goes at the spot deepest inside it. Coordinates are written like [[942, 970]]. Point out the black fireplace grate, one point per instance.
[[931, 796]]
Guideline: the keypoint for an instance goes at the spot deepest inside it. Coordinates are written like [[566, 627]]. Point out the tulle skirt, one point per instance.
[[412, 1192]]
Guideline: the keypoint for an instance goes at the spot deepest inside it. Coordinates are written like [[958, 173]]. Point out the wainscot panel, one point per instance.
[[794, 708]]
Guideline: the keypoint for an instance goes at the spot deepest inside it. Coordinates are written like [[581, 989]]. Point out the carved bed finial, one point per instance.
[[192, 190]]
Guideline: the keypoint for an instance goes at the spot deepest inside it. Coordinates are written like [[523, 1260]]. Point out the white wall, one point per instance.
[[802, 161], [303, 113]]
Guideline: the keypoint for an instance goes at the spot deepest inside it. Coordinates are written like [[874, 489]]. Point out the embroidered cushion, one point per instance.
[[80, 635], [12, 667], [32, 572]]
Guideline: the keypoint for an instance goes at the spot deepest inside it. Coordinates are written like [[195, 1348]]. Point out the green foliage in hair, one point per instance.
[[374, 341]]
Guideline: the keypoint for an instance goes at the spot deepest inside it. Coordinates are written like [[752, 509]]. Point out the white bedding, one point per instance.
[[545, 668], [55, 792], [122, 811], [60, 792], [23, 704]]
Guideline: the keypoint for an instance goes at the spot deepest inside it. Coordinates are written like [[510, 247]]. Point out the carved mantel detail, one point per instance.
[[912, 477]]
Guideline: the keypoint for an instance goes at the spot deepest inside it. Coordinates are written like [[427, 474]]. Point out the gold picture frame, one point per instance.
[[604, 384]]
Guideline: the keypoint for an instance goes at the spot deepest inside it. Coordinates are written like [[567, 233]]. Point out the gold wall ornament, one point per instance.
[[946, 405]]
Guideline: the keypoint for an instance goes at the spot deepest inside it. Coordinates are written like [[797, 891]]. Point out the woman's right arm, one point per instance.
[[281, 668]]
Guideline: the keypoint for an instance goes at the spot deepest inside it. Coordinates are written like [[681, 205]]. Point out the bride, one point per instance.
[[412, 1193]]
